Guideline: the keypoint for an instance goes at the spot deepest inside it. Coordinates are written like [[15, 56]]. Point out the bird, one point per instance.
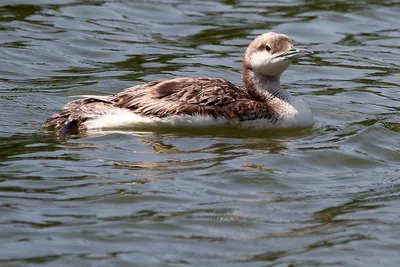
[[201, 101]]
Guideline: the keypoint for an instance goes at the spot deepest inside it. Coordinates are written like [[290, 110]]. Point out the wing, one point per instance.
[[205, 96]]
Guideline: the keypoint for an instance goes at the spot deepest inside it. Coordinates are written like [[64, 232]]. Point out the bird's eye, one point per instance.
[[268, 48]]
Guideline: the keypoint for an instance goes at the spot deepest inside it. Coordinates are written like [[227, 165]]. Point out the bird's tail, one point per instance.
[[70, 119], [61, 121]]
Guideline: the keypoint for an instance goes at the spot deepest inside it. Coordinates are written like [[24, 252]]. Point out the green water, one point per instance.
[[326, 196]]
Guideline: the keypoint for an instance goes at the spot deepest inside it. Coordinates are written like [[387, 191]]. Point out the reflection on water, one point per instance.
[[326, 196]]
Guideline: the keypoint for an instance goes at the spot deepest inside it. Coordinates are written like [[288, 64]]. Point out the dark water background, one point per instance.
[[326, 196]]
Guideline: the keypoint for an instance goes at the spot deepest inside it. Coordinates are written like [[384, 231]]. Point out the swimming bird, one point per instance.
[[261, 103]]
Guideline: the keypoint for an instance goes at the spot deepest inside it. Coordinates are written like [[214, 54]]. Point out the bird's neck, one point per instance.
[[264, 88]]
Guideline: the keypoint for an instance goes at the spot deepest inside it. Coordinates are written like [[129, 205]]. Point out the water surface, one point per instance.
[[326, 196]]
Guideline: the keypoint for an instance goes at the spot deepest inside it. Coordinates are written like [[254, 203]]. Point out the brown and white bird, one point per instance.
[[262, 103]]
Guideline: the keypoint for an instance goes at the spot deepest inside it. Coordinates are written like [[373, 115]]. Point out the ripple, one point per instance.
[[165, 197]]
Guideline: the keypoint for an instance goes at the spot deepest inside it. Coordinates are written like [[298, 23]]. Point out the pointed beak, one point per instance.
[[295, 53]]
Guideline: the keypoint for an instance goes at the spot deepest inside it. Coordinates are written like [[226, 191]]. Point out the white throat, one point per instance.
[[271, 87]]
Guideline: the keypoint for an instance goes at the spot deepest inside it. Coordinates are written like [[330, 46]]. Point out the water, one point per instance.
[[326, 196]]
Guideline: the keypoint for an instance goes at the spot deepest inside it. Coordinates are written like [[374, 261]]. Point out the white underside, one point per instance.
[[297, 114]]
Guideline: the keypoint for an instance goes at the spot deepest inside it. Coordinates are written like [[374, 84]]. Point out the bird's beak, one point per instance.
[[295, 53]]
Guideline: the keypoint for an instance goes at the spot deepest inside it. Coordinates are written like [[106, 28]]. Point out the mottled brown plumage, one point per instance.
[[180, 96], [191, 96], [264, 60]]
